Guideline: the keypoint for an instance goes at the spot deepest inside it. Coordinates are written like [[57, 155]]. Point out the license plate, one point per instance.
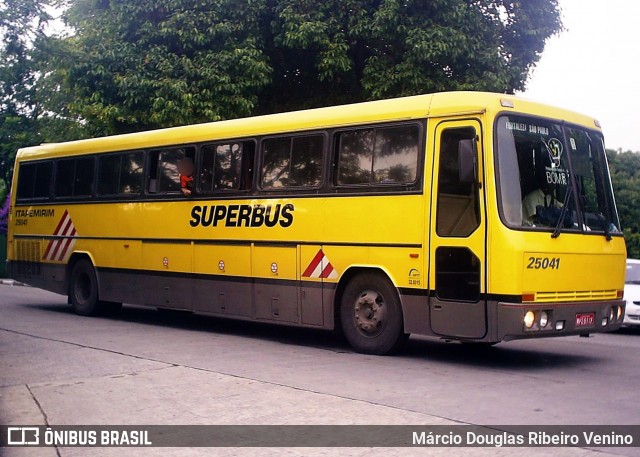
[[585, 319]]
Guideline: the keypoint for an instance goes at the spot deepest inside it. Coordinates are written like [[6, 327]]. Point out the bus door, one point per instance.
[[457, 247]]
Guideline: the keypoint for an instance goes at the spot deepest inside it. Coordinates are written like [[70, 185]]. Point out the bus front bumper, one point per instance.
[[539, 320]]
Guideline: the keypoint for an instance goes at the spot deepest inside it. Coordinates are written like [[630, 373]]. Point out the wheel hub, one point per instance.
[[370, 312]]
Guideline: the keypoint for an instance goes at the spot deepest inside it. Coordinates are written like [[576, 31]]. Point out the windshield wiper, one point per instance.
[[563, 211]]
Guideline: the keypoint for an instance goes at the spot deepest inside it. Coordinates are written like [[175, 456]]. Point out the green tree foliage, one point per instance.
[[625, 178], [24, 120], [352, 50], [157, 63], [135, 65], [20, 25]]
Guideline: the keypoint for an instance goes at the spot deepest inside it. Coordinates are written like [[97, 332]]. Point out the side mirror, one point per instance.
[[467, 161]]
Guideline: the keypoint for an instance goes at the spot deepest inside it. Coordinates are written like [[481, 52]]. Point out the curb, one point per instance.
[[11, 282]]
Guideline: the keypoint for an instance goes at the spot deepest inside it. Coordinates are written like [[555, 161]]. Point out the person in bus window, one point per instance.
[[543, 196], [185, 168]]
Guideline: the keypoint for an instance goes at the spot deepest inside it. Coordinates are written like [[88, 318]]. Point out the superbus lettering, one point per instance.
[[242, 215]]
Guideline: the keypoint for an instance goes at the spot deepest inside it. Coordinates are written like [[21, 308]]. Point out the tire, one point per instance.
[[83, 289], [371, 315]]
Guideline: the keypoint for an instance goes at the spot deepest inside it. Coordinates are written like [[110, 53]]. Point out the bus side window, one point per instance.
[[120, 174], [74, 177], [163, 169], [395, 155], [221, 167], [306, 161], [276, 162], [44, 172], [226, 166], [355, 157], [131, 173], [65, 171], [382, 155], [292, 161], [34, 180]]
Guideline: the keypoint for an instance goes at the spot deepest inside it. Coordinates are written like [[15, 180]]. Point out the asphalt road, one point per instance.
[[148, 367]]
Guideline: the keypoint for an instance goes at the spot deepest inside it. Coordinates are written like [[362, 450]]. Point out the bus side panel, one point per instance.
[[122, 286], [173, 261], [25, 265], [116, 260], [276, 285], [223, 285], [415, 311], [313, 288]]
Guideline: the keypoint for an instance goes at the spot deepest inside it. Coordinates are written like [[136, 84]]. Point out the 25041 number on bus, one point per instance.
[[543, 263]]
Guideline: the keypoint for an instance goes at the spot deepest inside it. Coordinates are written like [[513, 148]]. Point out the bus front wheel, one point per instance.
[[371, 315], [83, 289]]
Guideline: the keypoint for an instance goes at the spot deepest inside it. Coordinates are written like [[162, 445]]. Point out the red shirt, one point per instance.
[[186, 181]]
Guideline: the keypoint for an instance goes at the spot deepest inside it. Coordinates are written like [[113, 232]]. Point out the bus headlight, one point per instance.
[[529, 319], [544, 319], [612, 314], [620, 312]]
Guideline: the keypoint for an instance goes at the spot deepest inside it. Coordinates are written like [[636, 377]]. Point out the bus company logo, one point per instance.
[[414, 277], [63, 240], [320, 267], [554, 148]]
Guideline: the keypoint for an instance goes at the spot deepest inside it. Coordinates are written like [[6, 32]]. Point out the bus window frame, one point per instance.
[[121, 196], [379, 188], [326, 186], [257, 184], [74, 198], [157, 150], [223, 193], [49, 197]]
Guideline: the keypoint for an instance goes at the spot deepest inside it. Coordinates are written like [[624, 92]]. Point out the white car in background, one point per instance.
[[632, 294]]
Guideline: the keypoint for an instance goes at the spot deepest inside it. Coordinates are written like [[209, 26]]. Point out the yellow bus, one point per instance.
[[467, 216]]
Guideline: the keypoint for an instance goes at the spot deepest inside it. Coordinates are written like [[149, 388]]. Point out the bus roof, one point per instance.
[[415, 107]]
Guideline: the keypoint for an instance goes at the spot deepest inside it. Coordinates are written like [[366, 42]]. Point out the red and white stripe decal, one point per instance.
[[64, 238], [320, 267]]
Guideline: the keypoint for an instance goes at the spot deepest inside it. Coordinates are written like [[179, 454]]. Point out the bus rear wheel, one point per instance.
[[83, 289], [371, 315]]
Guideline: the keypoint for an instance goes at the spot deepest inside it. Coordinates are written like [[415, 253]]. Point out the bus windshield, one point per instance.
[[553, 177]]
